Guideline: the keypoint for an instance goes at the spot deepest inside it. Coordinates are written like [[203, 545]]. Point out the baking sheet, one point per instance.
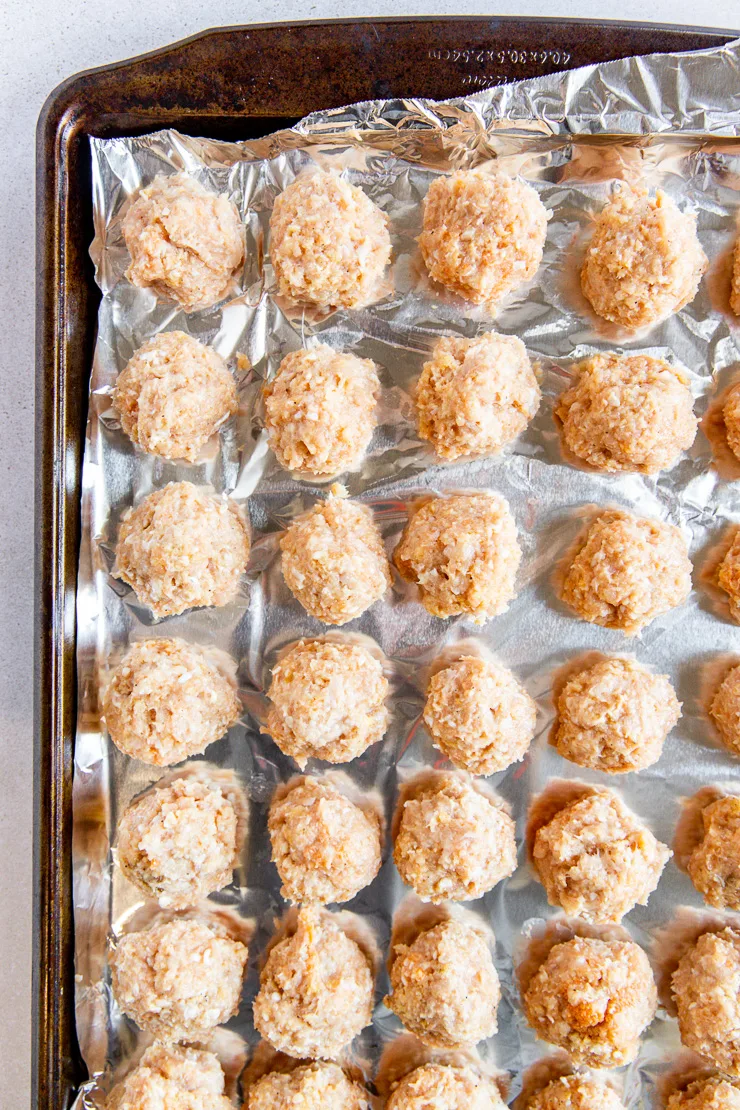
[[572, 135]]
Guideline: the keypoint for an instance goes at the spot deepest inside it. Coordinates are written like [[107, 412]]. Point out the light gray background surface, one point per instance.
[[41, 43]]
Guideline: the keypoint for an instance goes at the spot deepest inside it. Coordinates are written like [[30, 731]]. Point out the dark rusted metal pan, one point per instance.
[[233, 83]]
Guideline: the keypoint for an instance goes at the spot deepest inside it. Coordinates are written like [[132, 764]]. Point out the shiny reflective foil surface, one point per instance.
[[661, 121]]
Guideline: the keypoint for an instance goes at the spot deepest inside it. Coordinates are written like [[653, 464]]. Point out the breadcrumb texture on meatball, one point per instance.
[[479, 715], [728, 576], [334, 561], [708, 1092], [475, 396], [444, 986], [173, 395], [186, 243], [644, 260], [627, 413], [575, 1092], [172, 1077], [453, 841], [180, 548], [445, 1087], [329, 244], [596, 860], [614, 716], [714, 865], [316, 990], [706, 990], [483, 234], [463, 553], [322, 1085], [178, 843], [593, 998], [731, 417], [628, 571], [178, 979], [320, 410], [325, 847], [166, 701], [725, 709], [327, 701]]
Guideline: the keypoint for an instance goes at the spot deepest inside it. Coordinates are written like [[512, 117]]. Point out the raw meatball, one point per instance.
[[179, 979], [628, 571], [445, 1087], [731, 414], [334, 561], [475, 395], [728, 576], [706, 989], [444, 986], [596, 860], [614, 716], [186, 243], [628, 412], [320, 410], [575, 1092], [453, 842], [725, 710], [714, 865], [181, 548], [644, 260], [479, 715], [318, 1086], [329, 244], [171, 1077], [327, 701], [483, 235], [316, 990], [463, 554], [166, 701], [178, 843], [173, 395], [593, 998], [325, 847], [709, 1092]]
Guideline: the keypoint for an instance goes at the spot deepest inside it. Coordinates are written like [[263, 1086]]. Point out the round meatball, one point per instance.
[[614, 716], [479, 715], [596, 860], [725, 710], [706, 990], [325, 847], [444, 986], [166, 701], [628, 571], [316, 990], [463, 554], [628, 413], [483, 235], [180, 548], [327, 702], [593, 998], [334, 561], [186, 243], [317, 1086], [178, 843], [714, 865], [179, 979], [708, 1092], [731, 415], [575, 1092], [453, 841], [320, 410], [172, 1077], [475, 395], [329, 244], [445, 1087], [728, 576], [644, 260], [173, 395]]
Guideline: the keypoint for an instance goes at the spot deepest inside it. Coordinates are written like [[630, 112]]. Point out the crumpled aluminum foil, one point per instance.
[[663, 120]]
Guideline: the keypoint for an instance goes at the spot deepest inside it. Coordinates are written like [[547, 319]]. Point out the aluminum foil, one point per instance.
[[667, 121]]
